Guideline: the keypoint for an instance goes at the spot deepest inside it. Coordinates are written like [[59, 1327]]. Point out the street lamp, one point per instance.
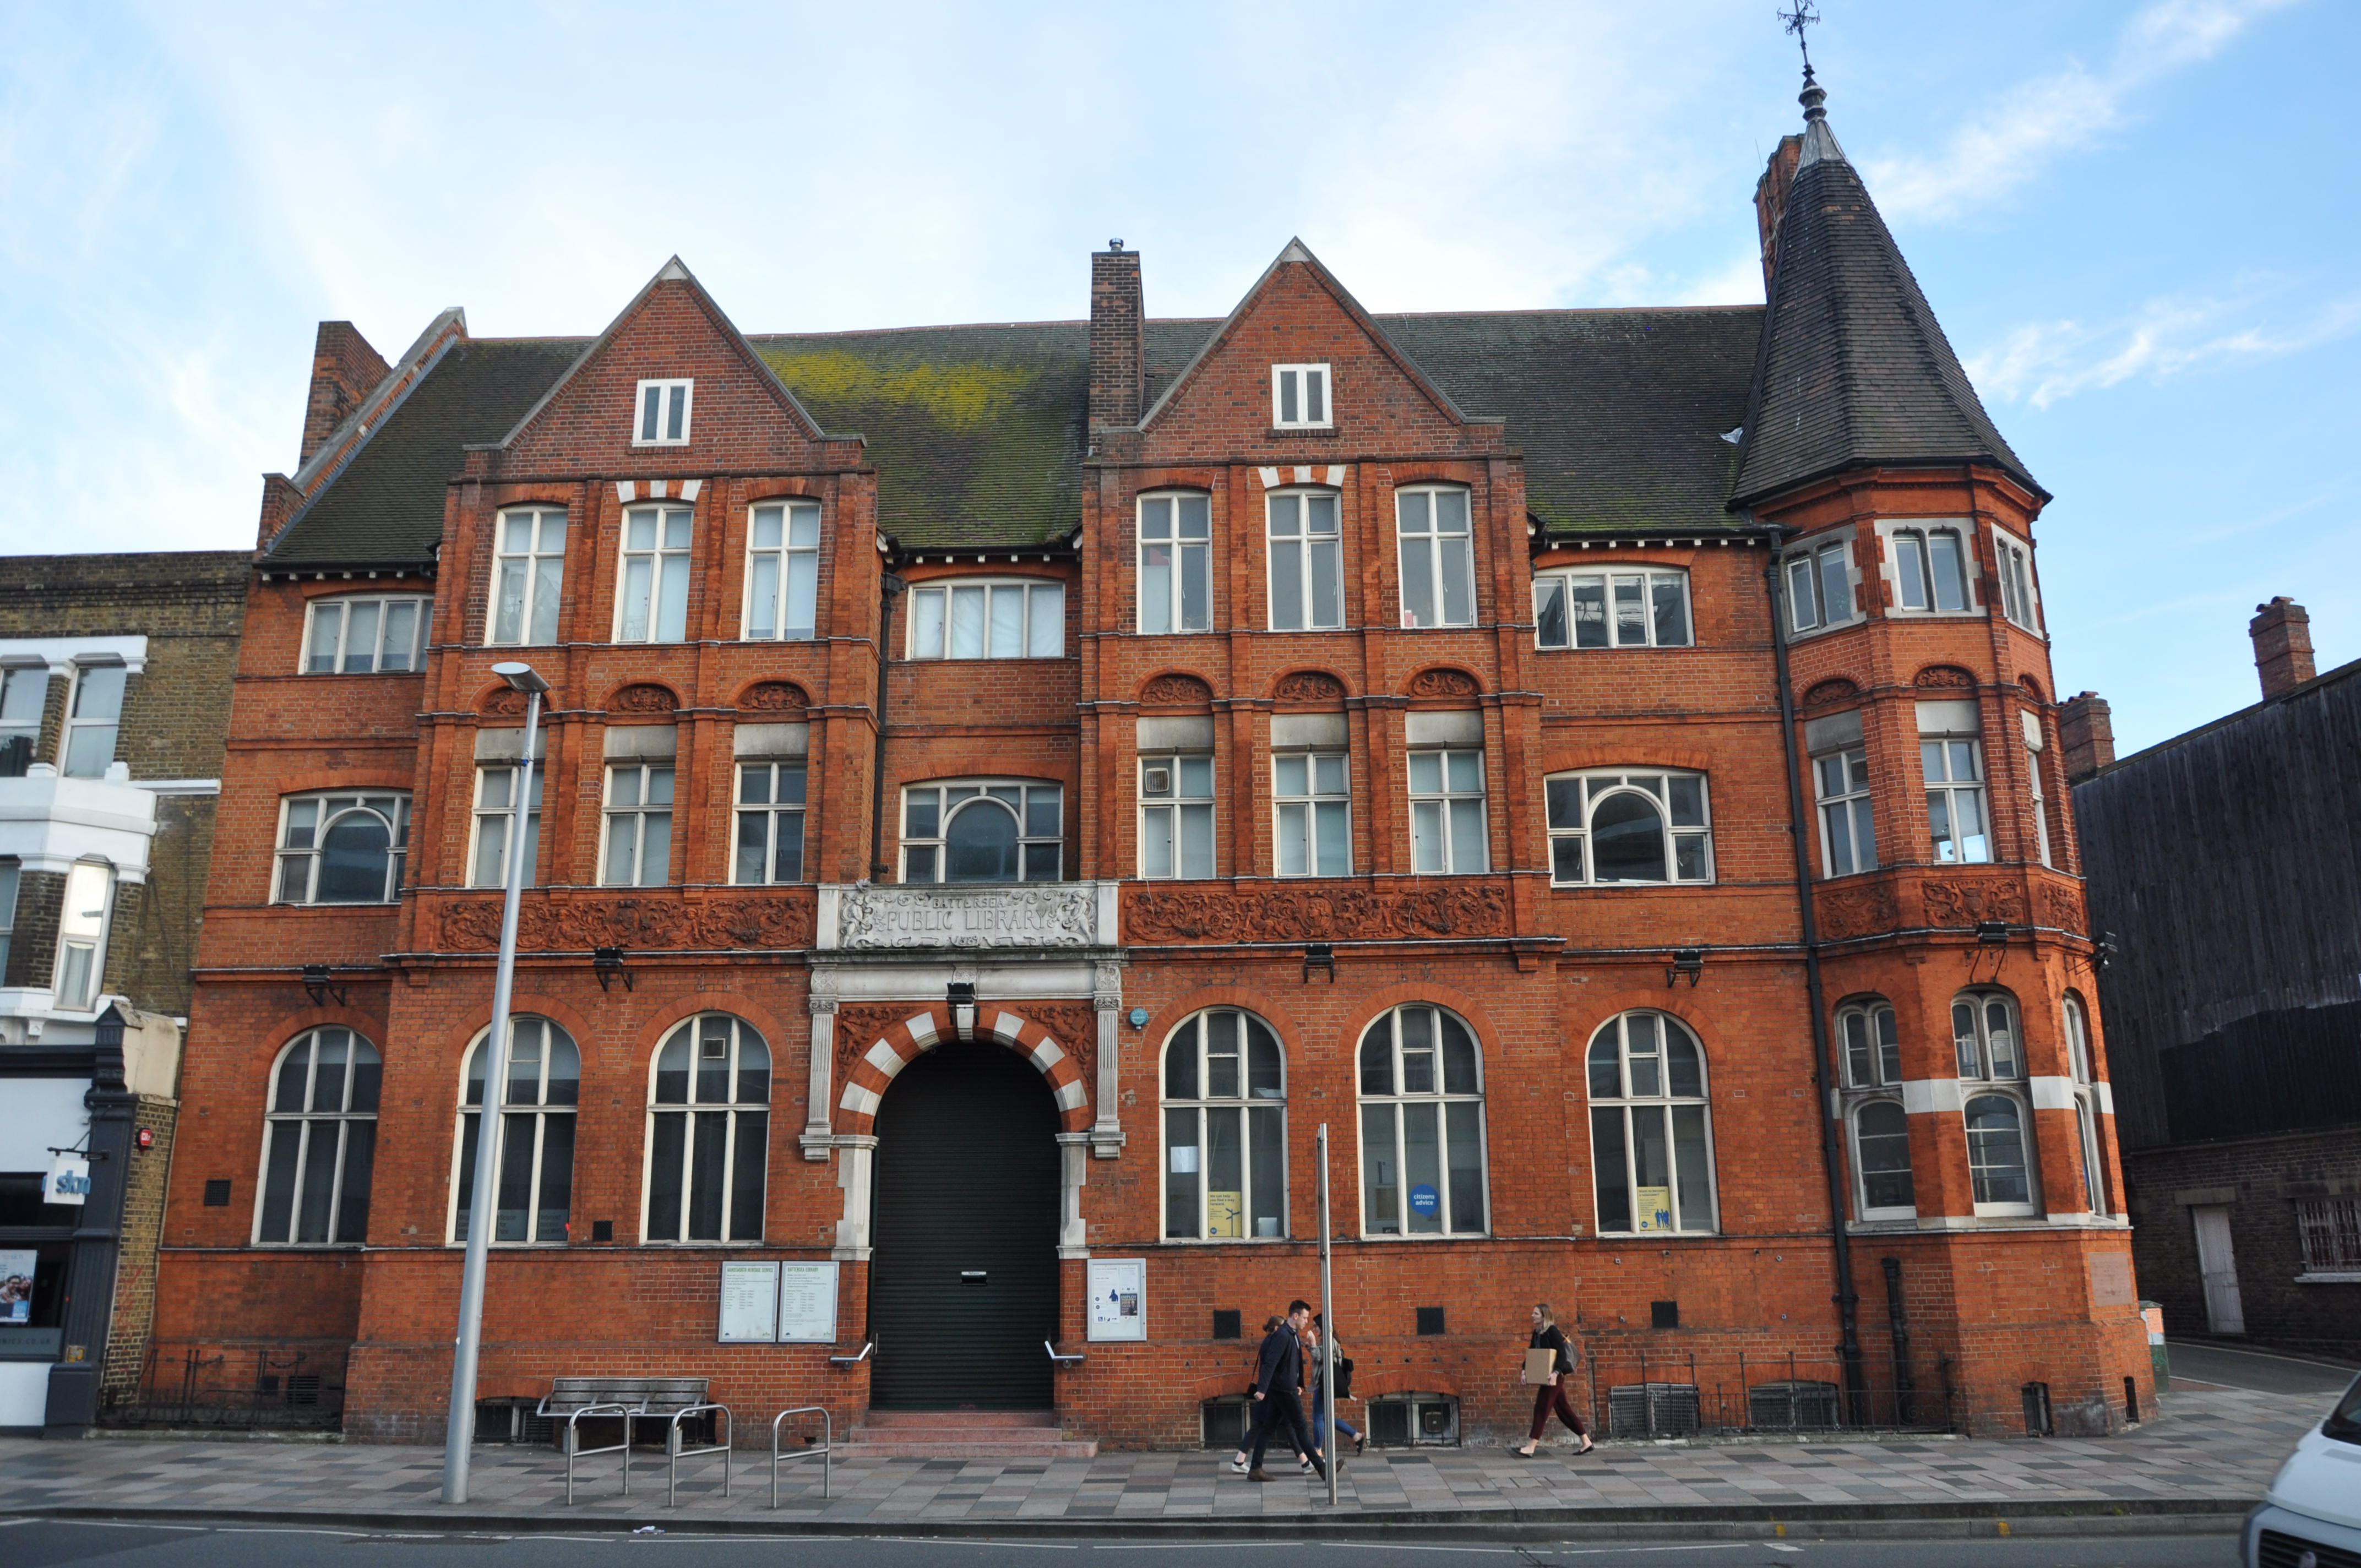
[[460, 1433]]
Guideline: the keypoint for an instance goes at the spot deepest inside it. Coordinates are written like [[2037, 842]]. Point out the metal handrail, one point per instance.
[[1057, 1360], [827, 1446], [575, 1452], [674, 1454], [853, 1360]]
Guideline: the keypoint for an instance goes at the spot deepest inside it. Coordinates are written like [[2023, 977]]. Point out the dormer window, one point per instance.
[[664, 413], [1299, 396]]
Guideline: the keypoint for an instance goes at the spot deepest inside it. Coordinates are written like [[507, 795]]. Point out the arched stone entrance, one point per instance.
[[963, 1274]]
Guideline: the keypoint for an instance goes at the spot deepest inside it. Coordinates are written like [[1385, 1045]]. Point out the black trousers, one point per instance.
[[1276, 1405]]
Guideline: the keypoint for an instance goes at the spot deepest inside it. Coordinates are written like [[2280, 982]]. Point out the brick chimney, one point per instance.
[[1118, 339], [1771, 199], [344, 370], [2283, 634], [2086, 735]]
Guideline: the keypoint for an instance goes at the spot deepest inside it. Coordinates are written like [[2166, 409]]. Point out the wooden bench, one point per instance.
[[626, 1400]]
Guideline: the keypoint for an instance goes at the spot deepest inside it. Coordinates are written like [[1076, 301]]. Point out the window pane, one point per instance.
[[1687, 797], [1458, 1056], [746, 1177], [655, 849], [1967, 807], [1996, 1151], [787, 861], [328, 621], [1180, 1064], [668, 1148], [1963, 1040], [553, 1198], [1689, 857], [360, 638], [400, 636], [1294, 838], [1156, 589], [1692, 1165], [1611, 1166], [285, 1139], [1426, 836], [1181, 1156], [1464, 1130], [1910, 570], [1469, 851], [1327, 580], [1564, 798], [317, 1184], [1802, 609], [1288, 398], [1426, 773], [1627, 840], [918, 818], [1263, 1068], [352, 862], [1007, 623], [512, 1195], [1225, 1196], [754, 846], [802, 595], [1949, 570], [1458, 580], [1586, 597], [1286, 584], [1380, 1169], [1156, 846], [981, 844], [547, 580], [967, 623], [927, 623], [1423, 1167], [1861, 1058], [360, 1162], [1631, 612], [1882, 1146], [1196, 588], [1266, 1167], [1549, 612], [1315, 397], [98, 694], [1672, 608], [1378, 1057], [1889, 1045], [762, 598], [1334, 836], [1684, 1069], [1045, 627], [1465, 771], [1417, 577], [1565, 859], [710, 1133], [1836, 583], [638, 571]]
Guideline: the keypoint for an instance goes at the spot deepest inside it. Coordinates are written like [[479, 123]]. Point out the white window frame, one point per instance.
[[1844, 796], [1919, 533], [550, 1041], [1589, 787], [78, 724], [1869, 1055], [297, 879], [84, 932], [1176, 808], [9, 871], [791, 566], [633, 817], [1815, 574], [666, 420], [1310, 551], [667, 564], [17, 716], [1940, 757], [1299, 387], [1863, 1207], [538, 573], [1185, 529], [1431, 542], [771, 818], [952, 796], [1556, 627], [2020, 596], [490, 816], [2080, 1067], [1999, 1208], [1199, 1035], [1982, 1052], [696, 1038], [1395, 1102], [2329, 1232], [1631, 1100], [338, 629], [305, 1124], [1320, 817], [1435, 853], [932, 623]]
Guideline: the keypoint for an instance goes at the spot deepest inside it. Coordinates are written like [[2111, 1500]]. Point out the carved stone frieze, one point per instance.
[[1444, 683], [1949, 677], [1835, 690], [1309, 685], [773, 697], [1314, 913], [1965, 902], [643, 699], [2063, 909], [636, 925], [505, 701], [1176, 690], [1050, 914], [1858, 911], [860, 1025]]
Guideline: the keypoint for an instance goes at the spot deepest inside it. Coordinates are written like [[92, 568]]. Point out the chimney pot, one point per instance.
[[2281, 632], [2086, 735]]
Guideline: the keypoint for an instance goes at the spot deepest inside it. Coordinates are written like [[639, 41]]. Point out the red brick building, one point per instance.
[[1597, 764]]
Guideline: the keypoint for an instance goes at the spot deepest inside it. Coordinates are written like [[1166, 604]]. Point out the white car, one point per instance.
[[2311, 1516]]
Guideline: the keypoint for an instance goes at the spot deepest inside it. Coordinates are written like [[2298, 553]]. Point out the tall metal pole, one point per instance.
[[460, 1432], [1327, 1434]]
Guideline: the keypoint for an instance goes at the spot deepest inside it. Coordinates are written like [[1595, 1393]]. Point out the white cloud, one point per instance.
[[2045, 361], [2051, 115]]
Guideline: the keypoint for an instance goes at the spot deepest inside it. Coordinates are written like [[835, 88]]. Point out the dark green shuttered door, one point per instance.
[[967, 1183]]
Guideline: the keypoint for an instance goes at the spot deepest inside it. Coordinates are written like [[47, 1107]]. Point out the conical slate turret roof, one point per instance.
[[1853, 369]]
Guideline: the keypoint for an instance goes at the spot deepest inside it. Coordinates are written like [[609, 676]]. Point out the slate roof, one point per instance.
[[1854, 369], [386, 507]]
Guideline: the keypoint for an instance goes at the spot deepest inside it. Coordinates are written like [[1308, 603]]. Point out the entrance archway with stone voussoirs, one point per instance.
[[963, 1270]]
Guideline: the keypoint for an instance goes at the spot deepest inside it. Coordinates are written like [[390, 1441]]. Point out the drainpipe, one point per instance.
[[1850, 1345], [889, 589]]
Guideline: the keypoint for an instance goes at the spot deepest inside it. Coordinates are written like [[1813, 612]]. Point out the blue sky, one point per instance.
[[2136, 223]]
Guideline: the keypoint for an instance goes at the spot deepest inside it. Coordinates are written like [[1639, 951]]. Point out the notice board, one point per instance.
[[787, 1303], [1118, 1297]]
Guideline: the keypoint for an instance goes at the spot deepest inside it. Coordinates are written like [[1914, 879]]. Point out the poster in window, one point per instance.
[[750, 1302], [1655, 1208], [17, 1287], [1118, 1297], [806, 1303], [1225, 1214]]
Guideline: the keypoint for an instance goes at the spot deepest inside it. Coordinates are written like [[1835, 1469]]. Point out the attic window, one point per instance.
[[664, 413], [1299, 396]]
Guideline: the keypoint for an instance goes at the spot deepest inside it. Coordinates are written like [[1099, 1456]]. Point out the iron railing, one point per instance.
[[262, 1387], [1682, 1394]]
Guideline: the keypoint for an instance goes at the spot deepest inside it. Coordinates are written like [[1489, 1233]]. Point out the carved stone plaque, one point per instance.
[[1062, 915]]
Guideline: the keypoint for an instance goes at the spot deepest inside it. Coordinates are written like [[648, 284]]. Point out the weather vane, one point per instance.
[[1795, 18]]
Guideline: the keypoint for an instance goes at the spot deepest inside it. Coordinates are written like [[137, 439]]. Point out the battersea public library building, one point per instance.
[[1004, 789]]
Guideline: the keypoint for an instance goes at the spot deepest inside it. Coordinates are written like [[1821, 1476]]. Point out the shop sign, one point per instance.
[[68, 1181]]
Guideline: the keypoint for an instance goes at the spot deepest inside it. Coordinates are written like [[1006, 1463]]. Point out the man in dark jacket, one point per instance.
[[1277, 1378]]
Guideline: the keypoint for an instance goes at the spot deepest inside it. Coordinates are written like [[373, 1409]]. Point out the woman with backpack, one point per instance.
[[1551, 1395]]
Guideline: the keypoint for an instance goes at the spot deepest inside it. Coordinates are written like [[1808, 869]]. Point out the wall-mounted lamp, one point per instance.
[[2110, 947], [1320, 956], [1993, 931], [607, 963], [317, 986], [1689, 962], [963, 1001]]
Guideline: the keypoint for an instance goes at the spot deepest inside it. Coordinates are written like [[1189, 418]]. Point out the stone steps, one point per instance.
[[962, 1434]]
